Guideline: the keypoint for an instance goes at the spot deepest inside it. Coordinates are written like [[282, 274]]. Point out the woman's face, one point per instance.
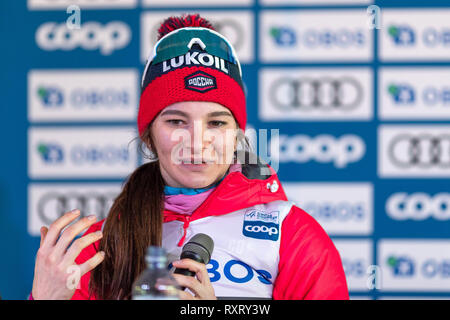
[[195, 143]]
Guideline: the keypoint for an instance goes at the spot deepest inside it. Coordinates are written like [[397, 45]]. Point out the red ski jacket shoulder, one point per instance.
[[310, 266]]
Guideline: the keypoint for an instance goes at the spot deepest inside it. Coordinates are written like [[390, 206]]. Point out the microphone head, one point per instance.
[[201, 245]]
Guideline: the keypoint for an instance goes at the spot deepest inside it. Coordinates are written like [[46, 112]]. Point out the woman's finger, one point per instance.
[[92, 262], [199, 285], [194, 266], [44, 231], [70, 233], [56, 227], [189, 282], [78, 246], [184, 295]]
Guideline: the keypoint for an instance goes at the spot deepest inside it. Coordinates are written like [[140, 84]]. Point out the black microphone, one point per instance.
[[199, 249]]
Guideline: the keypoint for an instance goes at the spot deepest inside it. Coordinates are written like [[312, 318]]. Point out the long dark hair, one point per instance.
[[134, 222], [135, 219]]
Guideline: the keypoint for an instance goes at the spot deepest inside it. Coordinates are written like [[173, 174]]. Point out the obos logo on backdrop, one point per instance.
[[236, 26], [315, 94], [90, 95], [356, 257], [261, 225], [414, 93], [315, 35], [340, 208], [107, 38], [415, 34], [414, 151], [411, 265], [339, 151], [81, 152], [49, 201]]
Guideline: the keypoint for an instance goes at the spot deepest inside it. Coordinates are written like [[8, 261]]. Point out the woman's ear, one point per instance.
[[147, 140]]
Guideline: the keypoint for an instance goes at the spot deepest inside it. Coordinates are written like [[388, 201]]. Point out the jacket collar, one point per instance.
[[238, 190]]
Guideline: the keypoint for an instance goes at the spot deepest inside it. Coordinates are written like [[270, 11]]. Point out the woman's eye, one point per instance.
[[175, 122], [217, 123]]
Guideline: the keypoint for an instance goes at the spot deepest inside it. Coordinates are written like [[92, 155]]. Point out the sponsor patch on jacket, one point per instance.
[[200, 81], [261, 224]]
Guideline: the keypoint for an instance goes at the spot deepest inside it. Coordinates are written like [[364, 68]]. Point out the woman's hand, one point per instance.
[[199, 285], [56, 275]]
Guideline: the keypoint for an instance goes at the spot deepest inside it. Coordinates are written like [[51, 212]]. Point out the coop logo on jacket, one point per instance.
[[81, 152], [261, 224]]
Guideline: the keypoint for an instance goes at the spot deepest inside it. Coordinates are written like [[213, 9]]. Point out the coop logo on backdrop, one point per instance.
[[415, 264], [415, 34], [81, 152], [340, 208], [414, 151], [315, 94], [88, 95], [106, 38], [414, 93], [339, 151], [418, 206], [49, 201], [315, 35]]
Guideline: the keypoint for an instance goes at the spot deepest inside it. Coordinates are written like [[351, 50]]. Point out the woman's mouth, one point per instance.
[[195, 164]]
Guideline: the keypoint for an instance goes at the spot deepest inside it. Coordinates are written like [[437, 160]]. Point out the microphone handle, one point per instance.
[[188, 255]]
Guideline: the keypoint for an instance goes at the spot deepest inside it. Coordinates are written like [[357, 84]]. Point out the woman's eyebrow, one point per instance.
[[219, 113], [174, 112]]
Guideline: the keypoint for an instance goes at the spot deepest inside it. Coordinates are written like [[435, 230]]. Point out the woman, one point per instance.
[[191, 117]]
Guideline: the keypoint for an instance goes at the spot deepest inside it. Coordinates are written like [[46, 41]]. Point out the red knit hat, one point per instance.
[[191, 62]]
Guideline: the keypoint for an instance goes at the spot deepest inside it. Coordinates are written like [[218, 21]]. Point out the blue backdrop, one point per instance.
[[362, 112]]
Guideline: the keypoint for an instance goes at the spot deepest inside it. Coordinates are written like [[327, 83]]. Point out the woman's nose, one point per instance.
[[199, 137]]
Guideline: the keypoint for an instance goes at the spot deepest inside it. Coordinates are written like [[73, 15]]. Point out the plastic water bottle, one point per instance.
[[155, 282]]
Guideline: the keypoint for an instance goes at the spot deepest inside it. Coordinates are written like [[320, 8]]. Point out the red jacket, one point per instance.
[[309, 265]]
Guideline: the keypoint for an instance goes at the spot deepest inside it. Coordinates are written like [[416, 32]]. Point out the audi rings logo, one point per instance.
[[418, 206], [91, 36], [423, 151], [53, 205], [343, 93]]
